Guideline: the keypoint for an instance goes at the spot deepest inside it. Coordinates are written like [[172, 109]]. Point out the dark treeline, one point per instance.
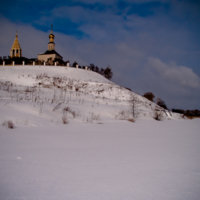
[[107, 72], [29, 61], [192, 113], [18, 60]]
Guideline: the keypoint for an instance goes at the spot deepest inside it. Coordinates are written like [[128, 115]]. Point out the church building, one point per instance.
[[50, 54], [16, 50]]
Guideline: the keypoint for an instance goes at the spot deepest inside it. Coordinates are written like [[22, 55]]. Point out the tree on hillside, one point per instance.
[[161, 103], [149, 95], [50, 61], [91, 66], [59, 62], [39, 62], [134, 103], [102, 71], [108, 73], [96, 69], [74, 64]]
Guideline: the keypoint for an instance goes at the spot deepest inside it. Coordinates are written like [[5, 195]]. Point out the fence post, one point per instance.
[[44, 63], [33, 62], [23, 62], [3, 63], [68, 64], [85, 67], [76, 65], [13, 63], [55, 63]]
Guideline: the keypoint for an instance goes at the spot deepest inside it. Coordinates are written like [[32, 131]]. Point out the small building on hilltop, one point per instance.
[[50, 55], [16, 50]]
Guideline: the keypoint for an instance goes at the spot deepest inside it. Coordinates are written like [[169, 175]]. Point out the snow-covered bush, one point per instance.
[[68, 110], [131, 120], [122, 115], [8, 124], [92, 117], [158, 115], [64, 119]]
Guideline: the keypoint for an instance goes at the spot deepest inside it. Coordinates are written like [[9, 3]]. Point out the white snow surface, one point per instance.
[[22, 75], [98, 154]]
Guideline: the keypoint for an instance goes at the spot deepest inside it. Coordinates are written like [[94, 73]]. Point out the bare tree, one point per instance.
[[161, 103], [134, 103]]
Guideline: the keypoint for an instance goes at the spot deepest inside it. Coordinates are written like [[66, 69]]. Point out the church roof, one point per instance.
[[50, 52], [16, 44]]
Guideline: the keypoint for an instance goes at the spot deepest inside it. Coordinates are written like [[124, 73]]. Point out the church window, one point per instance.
[[17, 51], [13, 52]]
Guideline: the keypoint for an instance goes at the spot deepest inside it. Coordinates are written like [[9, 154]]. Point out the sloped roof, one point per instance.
[[50, 52], [16, 44]]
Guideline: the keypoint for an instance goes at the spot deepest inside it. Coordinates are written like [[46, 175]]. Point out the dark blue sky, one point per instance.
[[150, 45]]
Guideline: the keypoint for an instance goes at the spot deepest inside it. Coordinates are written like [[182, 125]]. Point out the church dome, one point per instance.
[[51, 36]]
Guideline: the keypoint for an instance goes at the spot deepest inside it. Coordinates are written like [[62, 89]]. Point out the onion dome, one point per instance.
[[51, 36]]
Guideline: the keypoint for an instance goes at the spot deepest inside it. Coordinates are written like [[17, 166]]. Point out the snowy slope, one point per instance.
[[36, 95], [25, 75]]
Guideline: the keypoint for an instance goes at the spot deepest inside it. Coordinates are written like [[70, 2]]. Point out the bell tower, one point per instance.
[[51, 44], [16, 50]]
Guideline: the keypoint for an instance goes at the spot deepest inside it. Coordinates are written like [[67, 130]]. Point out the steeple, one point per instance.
[[16, 50], [51, 44]]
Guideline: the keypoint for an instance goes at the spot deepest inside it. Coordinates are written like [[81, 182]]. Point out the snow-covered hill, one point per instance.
[[36, 95], [99, 154]]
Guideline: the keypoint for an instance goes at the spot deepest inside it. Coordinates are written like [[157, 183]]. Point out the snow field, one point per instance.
[[143, 160]]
